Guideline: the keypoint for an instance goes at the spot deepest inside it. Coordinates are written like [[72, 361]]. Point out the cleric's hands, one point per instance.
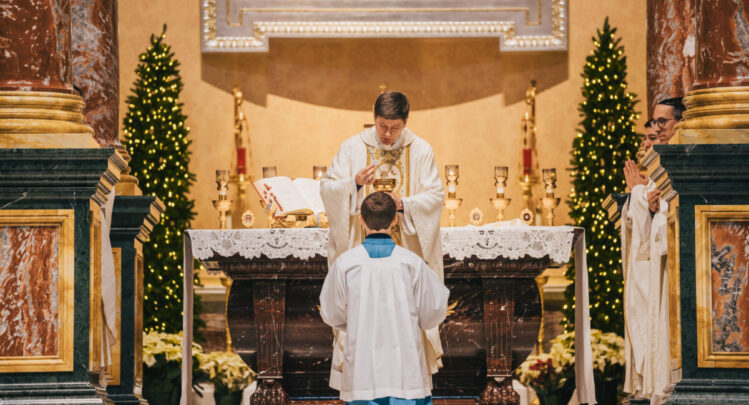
[[654, 200], [633, 175], [398, 201], [365, 175]]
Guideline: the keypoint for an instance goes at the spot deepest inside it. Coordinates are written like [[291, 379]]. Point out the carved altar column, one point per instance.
[[718, 103], [670, 49], [38, 104]]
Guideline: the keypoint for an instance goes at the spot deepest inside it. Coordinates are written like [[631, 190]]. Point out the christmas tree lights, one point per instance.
[[156, 138], [606, 138]]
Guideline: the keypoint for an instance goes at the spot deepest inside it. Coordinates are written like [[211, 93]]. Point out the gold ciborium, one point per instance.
[[550, 202], [452, 202], [387, 185], [223, 204], [500, 181]]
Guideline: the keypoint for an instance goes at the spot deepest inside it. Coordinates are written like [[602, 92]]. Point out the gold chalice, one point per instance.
[[386, 185]]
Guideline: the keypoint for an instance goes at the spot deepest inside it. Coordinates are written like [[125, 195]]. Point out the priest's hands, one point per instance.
[[654, 201], [398, 201], [633, 175], [365, 175]]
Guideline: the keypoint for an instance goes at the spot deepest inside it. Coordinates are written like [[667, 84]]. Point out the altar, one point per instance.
[[492, 326]]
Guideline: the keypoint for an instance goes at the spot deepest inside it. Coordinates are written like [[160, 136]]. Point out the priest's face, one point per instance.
[[665, 120], [388, 131]]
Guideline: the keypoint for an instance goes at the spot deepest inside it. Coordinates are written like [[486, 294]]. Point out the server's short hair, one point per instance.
[[678, 105], [378, 210], [650, 123], [392, 105]]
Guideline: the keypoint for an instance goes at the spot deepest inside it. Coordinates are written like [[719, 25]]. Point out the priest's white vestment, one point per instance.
[[410, 160], [383, 304], [644, 248]]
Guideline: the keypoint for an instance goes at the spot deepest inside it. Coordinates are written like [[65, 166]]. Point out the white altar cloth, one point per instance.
[[459, 243]]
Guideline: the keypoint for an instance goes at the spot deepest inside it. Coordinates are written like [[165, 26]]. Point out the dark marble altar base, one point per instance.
[[273, 309]]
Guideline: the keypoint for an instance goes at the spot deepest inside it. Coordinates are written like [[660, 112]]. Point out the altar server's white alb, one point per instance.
[[383, 304]]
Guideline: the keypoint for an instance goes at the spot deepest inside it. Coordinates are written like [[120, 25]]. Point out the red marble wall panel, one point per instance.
[[35, 45], [722, 43], [729, 259], [96, 65], [29, 280], [671, 49]]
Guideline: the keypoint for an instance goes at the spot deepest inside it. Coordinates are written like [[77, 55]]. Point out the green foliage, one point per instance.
[[156, 138], [606, 138]]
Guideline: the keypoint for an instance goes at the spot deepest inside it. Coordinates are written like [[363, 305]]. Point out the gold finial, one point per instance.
[[383, 88]]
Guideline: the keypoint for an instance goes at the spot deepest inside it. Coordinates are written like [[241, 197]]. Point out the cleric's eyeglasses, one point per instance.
[[661, 122]]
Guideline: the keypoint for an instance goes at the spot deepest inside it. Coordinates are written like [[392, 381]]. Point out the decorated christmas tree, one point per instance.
[[156, 138], [606, 138]]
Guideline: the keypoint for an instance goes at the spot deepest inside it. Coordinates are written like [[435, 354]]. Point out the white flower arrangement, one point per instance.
[[552, 371], [167, 344], [226, 371]]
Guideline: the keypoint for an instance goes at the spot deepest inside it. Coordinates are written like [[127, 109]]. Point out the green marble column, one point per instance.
[[57, 192], [710, 178], [133, 218]]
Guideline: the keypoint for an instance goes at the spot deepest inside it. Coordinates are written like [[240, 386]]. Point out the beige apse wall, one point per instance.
[[304, 97]]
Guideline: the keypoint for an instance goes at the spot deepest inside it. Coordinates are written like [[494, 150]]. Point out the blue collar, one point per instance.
[[379, 245]]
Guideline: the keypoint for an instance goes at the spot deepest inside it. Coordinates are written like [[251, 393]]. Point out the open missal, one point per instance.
[[300, 196]]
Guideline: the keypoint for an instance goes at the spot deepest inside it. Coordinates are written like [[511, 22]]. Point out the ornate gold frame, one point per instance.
[[703, 215], [65, 221], [262, 30], [113, 372]]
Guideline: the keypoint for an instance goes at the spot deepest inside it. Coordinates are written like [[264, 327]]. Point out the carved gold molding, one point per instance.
[[707, 356], [113, 372], [261, 31], [36, 119], [717, 115], [65, 222]]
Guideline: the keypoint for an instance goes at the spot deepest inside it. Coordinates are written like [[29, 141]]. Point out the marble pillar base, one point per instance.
[[717, 115], [38, 186], [708, 392], [38, 119], [133, 218], [70, 393]]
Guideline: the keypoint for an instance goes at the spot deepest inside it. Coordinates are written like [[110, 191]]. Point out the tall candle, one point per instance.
[[241, 160], [527, 160]]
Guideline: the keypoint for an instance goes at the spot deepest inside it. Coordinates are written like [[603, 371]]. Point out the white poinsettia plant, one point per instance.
[[550, 371], [160, 348], [608, 354], [226, 371], [556, 369]]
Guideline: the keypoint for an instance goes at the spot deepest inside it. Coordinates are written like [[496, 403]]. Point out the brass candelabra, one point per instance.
[[452, 202], [549, 202], [223, 204], [500, 181]]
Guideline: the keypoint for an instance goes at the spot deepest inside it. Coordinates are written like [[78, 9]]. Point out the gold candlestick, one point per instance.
[[223, 204], [318, 172], [541, 280], [270, 171], [550, 202], [500, 202], [452, 202], [227, 282]]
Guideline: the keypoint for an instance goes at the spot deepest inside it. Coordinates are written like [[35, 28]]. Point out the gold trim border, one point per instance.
[[65, 220], [114, 371], [262, 30], [703, 215]]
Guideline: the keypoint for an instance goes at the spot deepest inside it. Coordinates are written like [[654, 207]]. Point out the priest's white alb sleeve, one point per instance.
[[430, 296], [333, 298]]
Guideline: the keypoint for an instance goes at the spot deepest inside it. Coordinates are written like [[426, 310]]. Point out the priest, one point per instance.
[[387, 156]]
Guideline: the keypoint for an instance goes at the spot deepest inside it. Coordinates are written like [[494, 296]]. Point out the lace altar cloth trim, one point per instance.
[[511, 242]]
